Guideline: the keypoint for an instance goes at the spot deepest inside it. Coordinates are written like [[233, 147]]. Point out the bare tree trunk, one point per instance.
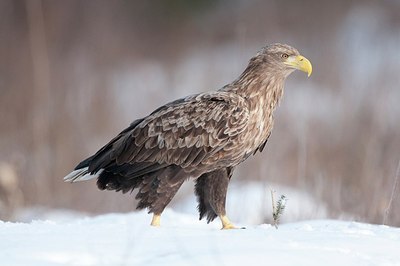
[[41, 99]]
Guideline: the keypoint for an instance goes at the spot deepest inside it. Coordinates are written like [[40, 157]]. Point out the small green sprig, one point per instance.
[[277, 208]]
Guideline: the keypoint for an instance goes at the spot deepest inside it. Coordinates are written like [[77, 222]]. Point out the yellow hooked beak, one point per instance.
[[300, 62]]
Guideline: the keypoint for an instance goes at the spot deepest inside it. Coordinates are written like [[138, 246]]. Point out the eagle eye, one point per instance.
[[284, 56]]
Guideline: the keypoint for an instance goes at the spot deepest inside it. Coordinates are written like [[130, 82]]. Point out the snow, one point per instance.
[[64, 237], [127, 239]]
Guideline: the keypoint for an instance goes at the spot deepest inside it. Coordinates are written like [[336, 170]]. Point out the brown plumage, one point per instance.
[[203, 136]]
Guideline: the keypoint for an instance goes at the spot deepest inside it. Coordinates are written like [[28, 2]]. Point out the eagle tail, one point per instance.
[[80, 175], [81, 172]]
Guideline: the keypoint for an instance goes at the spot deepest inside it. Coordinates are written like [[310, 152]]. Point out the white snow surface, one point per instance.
[[127, 239]]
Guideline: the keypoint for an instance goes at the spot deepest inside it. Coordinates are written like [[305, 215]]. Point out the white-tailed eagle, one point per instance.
[[203, 136]]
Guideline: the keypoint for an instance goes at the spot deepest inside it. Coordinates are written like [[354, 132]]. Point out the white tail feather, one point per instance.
[[81, 175]]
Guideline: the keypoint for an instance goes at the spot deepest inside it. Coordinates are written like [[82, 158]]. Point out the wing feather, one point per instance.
[[186, 132]]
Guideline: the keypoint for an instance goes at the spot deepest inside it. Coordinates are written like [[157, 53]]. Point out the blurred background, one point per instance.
[[73, 74]]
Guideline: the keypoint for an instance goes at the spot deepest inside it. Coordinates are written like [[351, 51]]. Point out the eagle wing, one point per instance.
[[188, 132]]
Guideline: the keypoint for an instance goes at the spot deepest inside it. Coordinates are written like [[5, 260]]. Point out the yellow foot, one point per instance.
[[226, 224], [156, 220], [229, 226]]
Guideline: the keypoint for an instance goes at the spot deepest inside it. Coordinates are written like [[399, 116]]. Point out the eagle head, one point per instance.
[[283, 58]]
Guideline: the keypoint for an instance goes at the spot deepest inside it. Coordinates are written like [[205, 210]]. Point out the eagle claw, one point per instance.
[[231, 226], [226, 224]]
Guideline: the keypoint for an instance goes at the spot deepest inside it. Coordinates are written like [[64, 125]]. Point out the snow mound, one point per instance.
[[41, 213], [127, 239]]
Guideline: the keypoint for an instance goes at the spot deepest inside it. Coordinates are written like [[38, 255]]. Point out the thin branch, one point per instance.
[[392, 196], [273, 200]]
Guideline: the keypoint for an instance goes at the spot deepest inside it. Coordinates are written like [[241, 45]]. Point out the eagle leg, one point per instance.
[[156, 220], [202, 191], [157, 190], [211, 189], [226, 223]]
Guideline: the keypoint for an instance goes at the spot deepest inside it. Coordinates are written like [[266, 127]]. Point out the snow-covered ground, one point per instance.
[[127, 239], [64, 237]]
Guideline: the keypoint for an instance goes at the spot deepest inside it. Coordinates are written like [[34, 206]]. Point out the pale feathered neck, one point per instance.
[[259, 79]]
